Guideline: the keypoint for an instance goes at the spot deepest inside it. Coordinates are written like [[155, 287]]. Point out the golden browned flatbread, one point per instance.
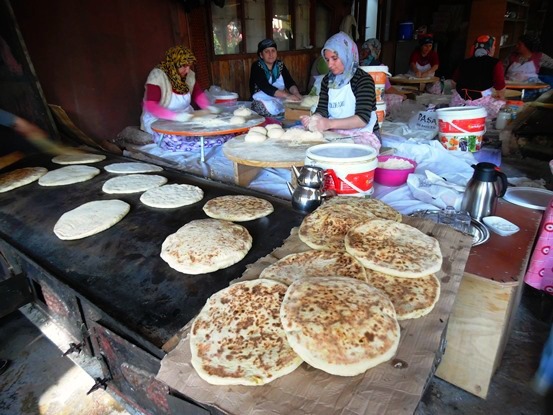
[[394, 248], [206, 245], [376, 207], [238, 208], [314, 264], [20, 177], [340, 325], [411, 297], [237, 339]]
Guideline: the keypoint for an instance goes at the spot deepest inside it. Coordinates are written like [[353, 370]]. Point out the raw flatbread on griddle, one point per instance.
[[376, 207], [90, 218], [20, 177], [237, 208], [411, 297], [132, 167], [327, 226], [340, 325], [394, 248], [81, 158], [133, 183], [172, 196], [206, 245], [237, 339], [314, 264], [68, 175]]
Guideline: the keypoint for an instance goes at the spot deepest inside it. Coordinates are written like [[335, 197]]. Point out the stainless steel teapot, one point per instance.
[[309, 176], [487, 184], [308, 199]]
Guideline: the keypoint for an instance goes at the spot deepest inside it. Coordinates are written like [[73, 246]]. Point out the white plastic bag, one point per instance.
[[433, 189], [424, 120]]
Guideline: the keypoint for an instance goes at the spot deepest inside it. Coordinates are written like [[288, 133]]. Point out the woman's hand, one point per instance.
[[293, 97], [315, 123]]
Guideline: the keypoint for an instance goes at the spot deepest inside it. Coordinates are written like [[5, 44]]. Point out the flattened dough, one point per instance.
[[68, 175], [172, 196], [20, 177], [78, 158], [132, 167], [133, 183]]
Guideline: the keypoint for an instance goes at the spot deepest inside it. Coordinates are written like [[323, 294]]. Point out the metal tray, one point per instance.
[[478, 230]]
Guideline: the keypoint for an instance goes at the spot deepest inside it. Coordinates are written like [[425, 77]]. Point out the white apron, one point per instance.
[[522, 72], [274, 105], [421, 68], [178, 103], [341, 104]]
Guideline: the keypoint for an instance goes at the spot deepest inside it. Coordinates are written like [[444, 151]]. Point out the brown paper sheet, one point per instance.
[[394, 387]]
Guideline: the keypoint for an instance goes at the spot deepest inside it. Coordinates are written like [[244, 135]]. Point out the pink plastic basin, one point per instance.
[[393, 177]]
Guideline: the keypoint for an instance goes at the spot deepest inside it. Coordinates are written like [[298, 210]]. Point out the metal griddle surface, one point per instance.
[[120, 270]]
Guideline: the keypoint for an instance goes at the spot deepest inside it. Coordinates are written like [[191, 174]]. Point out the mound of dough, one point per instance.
[[132, 167], [238, 208], [271, 126], [133, 183], [309, 101], [172, 196], [254, 137], [303, 136], [206, 245], [242, 111], [237, 338], [78, 158], [275, 133], [258, 129], [90, 219], [340, 325], [68, 175], [237, 120], [20, 177]]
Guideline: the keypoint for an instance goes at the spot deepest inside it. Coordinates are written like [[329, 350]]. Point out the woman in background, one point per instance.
[[524, 64], [477, 75], [347, 102], [424, 62], [270, 81]]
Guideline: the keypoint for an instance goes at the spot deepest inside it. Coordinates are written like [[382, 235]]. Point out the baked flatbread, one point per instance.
[[327, 226], [340, 325], [237, 339], [411, 297], [133, 183], [376, 207], [172, 196], [314, 264], [68, 175], [81, 158], [132, 167], [394, 248], [206, 245], [20, 177], [90, 218], [237, 208]]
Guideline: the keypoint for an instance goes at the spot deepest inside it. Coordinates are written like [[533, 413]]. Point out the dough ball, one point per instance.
[[260, 130], [271, 126], [275, 132], [242, 111], [312, 126], [254, 137], [237, 119]]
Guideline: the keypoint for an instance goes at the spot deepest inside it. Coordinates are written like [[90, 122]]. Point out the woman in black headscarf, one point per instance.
[[270, 81]]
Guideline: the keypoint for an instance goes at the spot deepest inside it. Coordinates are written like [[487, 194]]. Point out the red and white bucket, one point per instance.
[[349, 168], [226, 99], [462, 128], [378, 73]]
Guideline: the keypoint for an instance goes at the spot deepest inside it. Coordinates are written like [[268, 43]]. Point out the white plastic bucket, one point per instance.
[[349, 168], [378, 73], [462, 128], [380, 112]]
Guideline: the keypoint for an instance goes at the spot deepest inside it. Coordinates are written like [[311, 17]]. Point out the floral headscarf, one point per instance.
[[482, 46], [176, 57], [374, 47], [346, 49]]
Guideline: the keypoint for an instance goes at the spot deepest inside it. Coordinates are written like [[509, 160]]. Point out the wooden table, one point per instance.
[[421, 82], [523, 86], [201, 130], [487, 301]]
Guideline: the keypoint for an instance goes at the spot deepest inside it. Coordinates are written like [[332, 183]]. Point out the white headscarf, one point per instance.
[[346, 49]]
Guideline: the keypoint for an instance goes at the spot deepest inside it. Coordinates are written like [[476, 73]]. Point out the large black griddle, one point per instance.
[[120, 270]]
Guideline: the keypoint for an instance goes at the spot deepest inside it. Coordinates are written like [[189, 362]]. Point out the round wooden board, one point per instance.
[[192, 128], [405, 80]]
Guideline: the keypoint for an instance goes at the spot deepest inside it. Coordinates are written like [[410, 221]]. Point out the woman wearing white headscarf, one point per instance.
[[347, 102]]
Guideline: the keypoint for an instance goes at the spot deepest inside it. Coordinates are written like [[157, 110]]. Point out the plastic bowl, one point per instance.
[[500, 226], [393, 177]]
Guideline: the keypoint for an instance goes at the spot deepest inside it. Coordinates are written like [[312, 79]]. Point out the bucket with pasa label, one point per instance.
[[461, 128], [349, 168], [380, 112], [379, 74]]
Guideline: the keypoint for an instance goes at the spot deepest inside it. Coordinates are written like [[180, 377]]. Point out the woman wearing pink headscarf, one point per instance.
[[477, 75]]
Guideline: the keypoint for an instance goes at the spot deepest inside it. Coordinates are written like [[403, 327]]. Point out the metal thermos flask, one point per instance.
[[487, 184]]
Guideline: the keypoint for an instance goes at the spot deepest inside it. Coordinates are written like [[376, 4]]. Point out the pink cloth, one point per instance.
[[491, 104], [540, 269], [362, 137]]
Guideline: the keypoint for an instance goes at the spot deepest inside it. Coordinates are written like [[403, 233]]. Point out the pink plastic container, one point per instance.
[[393, 177]]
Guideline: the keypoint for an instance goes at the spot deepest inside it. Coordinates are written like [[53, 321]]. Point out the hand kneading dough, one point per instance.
[[275, 132], [237, 120], [271, 126], [90, 219], [242, 112], [258, 129], [254, 137]]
